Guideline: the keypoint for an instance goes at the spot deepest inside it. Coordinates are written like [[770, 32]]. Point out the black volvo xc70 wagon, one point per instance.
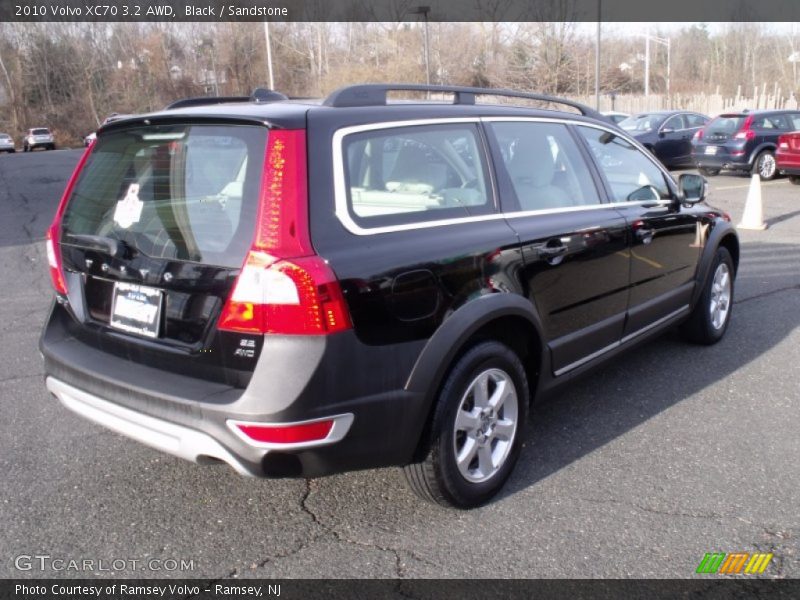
[[299, 288]]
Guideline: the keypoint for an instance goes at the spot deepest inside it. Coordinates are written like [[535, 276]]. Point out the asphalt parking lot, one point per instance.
[[636, 471]]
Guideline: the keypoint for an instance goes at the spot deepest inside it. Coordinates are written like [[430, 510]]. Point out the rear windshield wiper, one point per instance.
[[115, 248]]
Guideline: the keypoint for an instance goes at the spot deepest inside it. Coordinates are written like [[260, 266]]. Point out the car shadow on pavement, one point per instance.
[[636, 386]]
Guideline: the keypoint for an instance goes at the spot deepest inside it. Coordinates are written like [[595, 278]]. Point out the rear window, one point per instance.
[[726, 125], [178, 192], [41, 132]]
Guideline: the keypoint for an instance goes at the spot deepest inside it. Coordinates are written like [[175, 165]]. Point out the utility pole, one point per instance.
[[269, 55], [424, 10], [647, 65], [597, 60]]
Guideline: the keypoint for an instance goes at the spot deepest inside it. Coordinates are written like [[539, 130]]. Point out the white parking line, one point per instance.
[[747, 185]]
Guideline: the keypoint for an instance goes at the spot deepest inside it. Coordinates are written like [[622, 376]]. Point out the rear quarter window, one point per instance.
[[415, 174]]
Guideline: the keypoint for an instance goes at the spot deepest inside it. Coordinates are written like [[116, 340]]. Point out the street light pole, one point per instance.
[[664, 42]]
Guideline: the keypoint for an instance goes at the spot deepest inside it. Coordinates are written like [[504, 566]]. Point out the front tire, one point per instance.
[[476, 434], [712, 313], [765, 166]]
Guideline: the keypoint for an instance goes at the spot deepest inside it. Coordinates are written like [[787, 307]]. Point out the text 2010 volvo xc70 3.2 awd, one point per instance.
[[299, 287]]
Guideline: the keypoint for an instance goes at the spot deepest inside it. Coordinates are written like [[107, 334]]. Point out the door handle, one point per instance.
[[552, 251]]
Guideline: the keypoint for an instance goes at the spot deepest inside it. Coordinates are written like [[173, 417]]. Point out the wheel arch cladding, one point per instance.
[[506, 318], [723, 235]]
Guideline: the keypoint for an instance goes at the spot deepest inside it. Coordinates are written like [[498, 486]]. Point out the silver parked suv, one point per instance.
[[38, 137]]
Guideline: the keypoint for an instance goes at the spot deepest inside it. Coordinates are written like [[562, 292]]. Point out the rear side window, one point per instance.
[[631, 176], [179, 192], [695, 120], [641, 123], [544, 165], [415, 174], [772, 122], [675, 122], [795, 119]]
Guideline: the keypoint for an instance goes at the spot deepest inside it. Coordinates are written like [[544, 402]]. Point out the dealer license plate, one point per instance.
[[136, 309], [711, 149]]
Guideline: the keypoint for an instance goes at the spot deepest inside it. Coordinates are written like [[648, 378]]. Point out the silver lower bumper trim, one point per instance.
[[177, 440]]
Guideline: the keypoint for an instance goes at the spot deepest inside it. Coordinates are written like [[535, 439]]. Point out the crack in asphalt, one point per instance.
[[324, 530], [17, 377], [656, 511], [399, 567], [766, 294]]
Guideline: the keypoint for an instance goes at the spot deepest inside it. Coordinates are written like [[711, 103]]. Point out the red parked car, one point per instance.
[[788, 156]]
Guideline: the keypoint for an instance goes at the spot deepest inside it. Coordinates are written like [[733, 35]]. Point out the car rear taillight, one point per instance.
[[783, 142], [698, 135], [54, 231], [745, 133], [284, 287]]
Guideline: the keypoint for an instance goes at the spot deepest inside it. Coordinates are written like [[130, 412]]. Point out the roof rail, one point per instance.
[[258, 96], [374, 94]]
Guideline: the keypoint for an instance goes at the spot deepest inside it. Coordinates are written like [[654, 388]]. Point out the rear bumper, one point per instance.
[[721, 161], [296, 379], [171, 438]]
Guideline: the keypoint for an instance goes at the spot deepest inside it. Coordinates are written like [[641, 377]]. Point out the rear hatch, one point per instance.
[[154, 233], [723, 128]]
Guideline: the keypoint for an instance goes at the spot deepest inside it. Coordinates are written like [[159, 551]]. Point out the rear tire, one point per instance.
[[765, 166], [708, 171], [712, 313], [477, 429], [795, 179]]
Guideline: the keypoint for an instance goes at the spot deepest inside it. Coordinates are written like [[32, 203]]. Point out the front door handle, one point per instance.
[[552, 251]]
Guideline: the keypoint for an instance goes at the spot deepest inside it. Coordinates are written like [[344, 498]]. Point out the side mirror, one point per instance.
[[693, 188]]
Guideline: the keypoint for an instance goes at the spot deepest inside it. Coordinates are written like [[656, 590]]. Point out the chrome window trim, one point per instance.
[[340, 190]]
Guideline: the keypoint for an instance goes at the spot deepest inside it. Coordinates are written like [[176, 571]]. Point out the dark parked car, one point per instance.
[[743, 141], [787, 156], [667, 134], [299, 288]]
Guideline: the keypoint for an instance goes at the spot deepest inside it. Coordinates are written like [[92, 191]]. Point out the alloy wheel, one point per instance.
[[719, 307], [485, 425]]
